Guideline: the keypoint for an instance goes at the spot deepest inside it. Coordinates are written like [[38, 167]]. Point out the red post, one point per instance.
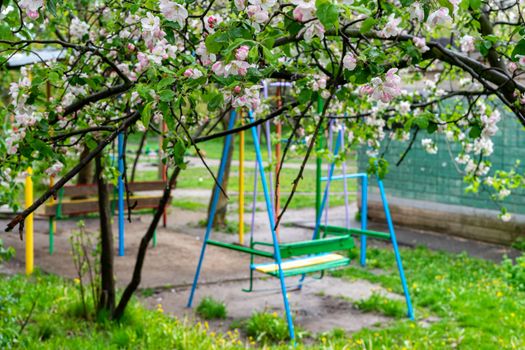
[[278, 130]]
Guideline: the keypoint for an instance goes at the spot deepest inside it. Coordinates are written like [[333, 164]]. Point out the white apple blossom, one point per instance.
[[78, 28], [349, 61], [257, 14], [439, 17], [193, 73], [173, 11], [312, 29], [31, 7], [54, 169], [404, 107], [429, 146], [421, 44], [416, 12], [304, 11], [150, 23], [505, 217], [264, 4], [242, 52], [240, 4], [467, 43], [392, 27]]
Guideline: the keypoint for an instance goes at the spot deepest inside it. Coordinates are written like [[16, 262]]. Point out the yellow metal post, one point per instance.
[[29, 222], [241, 186]]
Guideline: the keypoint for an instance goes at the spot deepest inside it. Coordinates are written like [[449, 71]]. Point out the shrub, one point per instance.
[[6, 253], [515, 273], [210, 308], [267, 327]]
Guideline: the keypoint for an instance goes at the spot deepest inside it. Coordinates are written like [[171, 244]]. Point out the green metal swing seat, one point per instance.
[[309, 256]]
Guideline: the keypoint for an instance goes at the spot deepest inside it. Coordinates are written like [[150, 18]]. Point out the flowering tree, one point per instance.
[[129, 65]]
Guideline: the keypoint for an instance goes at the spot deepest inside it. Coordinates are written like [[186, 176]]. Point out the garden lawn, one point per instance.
[[473, 304], [478, 304], [199, 178]]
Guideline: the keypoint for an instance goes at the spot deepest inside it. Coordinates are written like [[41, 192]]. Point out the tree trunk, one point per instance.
[[107, 288], [146, 239], [143, 248], [222, 205], [85, 176]]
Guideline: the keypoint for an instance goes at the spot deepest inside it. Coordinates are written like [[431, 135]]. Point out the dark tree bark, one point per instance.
[[222, 205], [85, 176], [107, 288], [137, 157], [143, 248]]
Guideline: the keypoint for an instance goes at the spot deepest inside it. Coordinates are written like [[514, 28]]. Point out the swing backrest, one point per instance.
[[316, 246]]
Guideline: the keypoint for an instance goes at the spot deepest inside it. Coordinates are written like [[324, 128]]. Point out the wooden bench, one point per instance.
[[82, 199], [67, 205]]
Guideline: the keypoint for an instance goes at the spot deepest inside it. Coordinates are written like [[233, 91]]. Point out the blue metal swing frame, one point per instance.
[[276, 254]]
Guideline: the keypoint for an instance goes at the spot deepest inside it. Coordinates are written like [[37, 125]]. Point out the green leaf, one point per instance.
[[367, 25], [475, 132], [432, 127], [422, 122], [5, 32], [304, 96], [215, 101], [51, 5], [447, 4], [216, 41], [146, 114], [179, 149], [327, 13], [519, 49], [165, 83], [475, 4], [167, 95]]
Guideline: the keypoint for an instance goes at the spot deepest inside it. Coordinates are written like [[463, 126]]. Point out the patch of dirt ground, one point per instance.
[[170, 266]]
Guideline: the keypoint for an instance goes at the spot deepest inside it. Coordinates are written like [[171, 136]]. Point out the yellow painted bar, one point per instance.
[[29, 222], [241, 186]]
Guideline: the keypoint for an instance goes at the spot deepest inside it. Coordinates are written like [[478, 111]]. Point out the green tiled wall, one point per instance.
[[434, 177]]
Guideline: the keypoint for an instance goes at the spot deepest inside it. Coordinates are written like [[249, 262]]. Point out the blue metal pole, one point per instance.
[[364, 215], [330, 145], [410, 311], [342, 177], [269, 208], [120, 194], [213, 208]]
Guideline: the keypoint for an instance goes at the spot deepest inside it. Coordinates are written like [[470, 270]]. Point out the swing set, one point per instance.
[[319, 254]]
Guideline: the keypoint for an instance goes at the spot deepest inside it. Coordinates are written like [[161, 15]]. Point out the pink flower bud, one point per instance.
[[32, 14], [188, 72], [242, 53], [212, 21], [237, 89]]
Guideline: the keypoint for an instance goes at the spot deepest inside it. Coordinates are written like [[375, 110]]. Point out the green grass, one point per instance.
[[477, 305], [199, 178], [189, 204], [379, 303], [211, 309], [264, 327], [54, 323]]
